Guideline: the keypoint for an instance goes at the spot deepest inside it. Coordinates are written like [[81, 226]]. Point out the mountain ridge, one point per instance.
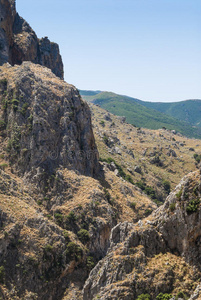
[[143, 114], [19, 42]]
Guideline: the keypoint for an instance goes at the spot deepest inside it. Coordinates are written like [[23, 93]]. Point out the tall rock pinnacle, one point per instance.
[[18, 42]]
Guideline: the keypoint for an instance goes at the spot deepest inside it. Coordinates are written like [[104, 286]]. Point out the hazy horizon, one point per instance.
[[145, 49]]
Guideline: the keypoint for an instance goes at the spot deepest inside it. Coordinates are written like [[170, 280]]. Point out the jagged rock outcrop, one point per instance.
[[18, 42], [149, 256], [45, 122]]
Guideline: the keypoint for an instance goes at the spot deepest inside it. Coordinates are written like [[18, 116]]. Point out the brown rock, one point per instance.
[[48, 124], [18, 42]]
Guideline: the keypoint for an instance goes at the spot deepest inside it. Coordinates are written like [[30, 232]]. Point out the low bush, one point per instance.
[[58, 218], [172, 206], [193, 206], [73, 251], [144, 297], [133, 205], [162, 296], [2, 274], [3, 166], [71, 217], [83, 236], [166, 186]]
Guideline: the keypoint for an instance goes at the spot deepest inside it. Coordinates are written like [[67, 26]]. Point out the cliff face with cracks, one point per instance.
[[151, 255], [47, 139], [45, 122], [56, 220], [18, 42]]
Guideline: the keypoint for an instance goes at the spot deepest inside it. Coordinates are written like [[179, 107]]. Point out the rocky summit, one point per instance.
[[18, 42], [85, 215]]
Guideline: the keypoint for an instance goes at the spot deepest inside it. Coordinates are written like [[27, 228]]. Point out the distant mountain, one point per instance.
[[184, 117], [188, 110]]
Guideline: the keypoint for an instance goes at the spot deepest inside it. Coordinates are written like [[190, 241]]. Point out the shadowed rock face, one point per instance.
[[46, 122], [18, 42]]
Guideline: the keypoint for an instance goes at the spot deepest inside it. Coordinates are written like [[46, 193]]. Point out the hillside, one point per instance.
[[60, 206], [91, 207], [150, 158], [147, 114], [144, 259], [188, 110]]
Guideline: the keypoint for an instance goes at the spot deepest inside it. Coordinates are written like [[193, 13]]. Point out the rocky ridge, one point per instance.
[[147, 257], [55, 217], [62, 212], [45, 122], [18, 42]]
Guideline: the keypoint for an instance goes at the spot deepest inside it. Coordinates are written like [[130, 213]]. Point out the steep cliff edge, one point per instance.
[[18, 42], [160, 254], [45, 122]]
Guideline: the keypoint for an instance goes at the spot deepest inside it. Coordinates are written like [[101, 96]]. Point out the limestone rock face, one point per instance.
[[46, 123], [148, 256], [18, 42]]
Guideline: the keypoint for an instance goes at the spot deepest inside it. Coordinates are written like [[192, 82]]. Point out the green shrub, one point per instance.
[[119, 168], [162, 296], [106, 140], [166, 185], [83, 236], [107, 160], [133, 205], [195, 190], [3, 82], [197, 157], [30, 122], [73, 251], [181, 295], [178, 195], [107, 194], [141, 185], [90, 263], [66, 235], [48, 248], [2, 124], [15, 103], [102, 123], [24, 109], [150, 192], [2, 274], [58, 218], [193, 206], [129, 179], [71, 217], [148, 212], [3, 166], [172, 206], [144, 297]]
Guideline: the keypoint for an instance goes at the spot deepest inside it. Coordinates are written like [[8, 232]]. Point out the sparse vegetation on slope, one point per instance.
[[154, 160], [137, 113]]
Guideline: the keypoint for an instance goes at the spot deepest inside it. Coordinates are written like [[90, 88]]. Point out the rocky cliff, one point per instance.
[[160, 254], [61, 215], [18, 42], [45, 122]]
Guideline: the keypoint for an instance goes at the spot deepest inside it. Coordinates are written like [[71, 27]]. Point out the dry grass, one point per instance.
[[159, 141]]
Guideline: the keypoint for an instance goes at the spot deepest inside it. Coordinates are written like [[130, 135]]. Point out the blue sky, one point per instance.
[[148, 49]]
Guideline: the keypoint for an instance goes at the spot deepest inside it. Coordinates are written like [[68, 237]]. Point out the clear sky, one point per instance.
[[147, 49]]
